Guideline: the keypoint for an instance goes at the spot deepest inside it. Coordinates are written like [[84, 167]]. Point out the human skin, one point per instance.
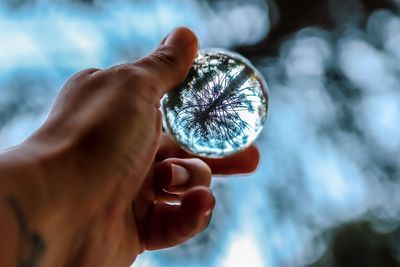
[[93, 185]]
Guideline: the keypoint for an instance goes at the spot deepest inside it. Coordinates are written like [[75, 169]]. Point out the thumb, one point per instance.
[[169, 65]]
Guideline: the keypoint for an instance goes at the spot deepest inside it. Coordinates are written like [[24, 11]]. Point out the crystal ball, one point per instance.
[[220, 108]]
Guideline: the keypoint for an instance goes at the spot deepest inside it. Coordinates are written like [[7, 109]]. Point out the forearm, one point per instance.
[[44, 211], [20, 243], [35, 220], [9, 233]]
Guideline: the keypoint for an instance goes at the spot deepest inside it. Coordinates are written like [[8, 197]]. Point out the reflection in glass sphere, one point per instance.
[[220, 108]]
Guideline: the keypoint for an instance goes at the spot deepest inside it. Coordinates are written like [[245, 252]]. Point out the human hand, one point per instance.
[[108, 172]]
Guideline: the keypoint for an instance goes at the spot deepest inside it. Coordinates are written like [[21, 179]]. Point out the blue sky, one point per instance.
[[325, 151]]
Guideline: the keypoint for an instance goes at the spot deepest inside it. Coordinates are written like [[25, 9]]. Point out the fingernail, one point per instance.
[[207, 212], [180, 37], [164, 39], [210, 209], [179, 175]]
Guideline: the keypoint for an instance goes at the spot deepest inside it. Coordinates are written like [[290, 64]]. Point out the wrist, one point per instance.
[[33, 202]]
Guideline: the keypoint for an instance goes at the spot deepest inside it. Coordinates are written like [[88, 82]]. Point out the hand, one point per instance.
[[107, 172]]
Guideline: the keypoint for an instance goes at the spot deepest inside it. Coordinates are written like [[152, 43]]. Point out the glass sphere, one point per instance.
[[221, 107]]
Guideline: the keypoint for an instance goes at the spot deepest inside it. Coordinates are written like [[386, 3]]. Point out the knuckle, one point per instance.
[[164, 59], [165, 56], [125, 72], [131, 80], [84, 73], [79, 79], [90, 71]]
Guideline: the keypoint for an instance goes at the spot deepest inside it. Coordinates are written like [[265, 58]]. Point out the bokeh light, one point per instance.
[[330, 150]]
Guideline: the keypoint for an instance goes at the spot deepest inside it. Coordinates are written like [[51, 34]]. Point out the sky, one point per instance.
[[328, 151]]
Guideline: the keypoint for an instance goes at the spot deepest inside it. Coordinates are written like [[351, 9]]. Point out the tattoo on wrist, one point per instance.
[[31, 244]]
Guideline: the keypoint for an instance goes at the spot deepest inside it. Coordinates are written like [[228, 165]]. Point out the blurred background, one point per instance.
[[327, 191]]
